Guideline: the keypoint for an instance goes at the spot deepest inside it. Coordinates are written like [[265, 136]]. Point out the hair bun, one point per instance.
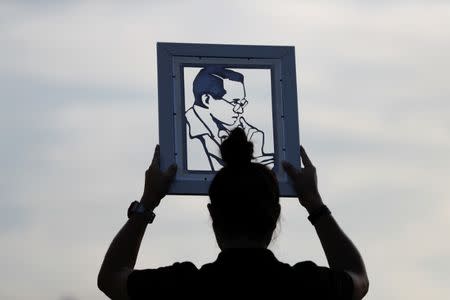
[[236, 150]]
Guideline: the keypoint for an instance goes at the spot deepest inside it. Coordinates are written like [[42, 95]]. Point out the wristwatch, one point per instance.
[[137, 208], [318, 213]]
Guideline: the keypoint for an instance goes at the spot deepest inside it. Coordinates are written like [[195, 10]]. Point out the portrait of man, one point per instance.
[[220, 101]]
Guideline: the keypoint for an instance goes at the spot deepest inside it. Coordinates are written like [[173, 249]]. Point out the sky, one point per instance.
[[78, 125]]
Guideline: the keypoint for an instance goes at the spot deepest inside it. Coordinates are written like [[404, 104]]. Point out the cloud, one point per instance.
[[78, 126]]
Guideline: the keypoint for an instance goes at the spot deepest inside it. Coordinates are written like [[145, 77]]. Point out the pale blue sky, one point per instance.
[[78, 124]]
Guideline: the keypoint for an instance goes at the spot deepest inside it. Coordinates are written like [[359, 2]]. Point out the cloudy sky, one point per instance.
[[78, 124]]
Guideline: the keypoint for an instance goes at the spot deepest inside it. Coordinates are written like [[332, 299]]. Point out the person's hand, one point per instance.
[[305, 182], [266, 159], [254, 135], [157, 183]]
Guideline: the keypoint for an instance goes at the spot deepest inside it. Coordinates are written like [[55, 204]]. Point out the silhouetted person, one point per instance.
[[244, 209]]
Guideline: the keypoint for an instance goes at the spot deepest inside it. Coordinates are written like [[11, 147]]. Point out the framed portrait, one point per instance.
[[206, 90]]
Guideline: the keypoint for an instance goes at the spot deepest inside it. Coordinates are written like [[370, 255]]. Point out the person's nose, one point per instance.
[[238, 108]]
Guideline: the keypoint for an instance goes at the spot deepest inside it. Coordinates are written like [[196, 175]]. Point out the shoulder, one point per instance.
[[142, 283], [325, 281], [177, 269]]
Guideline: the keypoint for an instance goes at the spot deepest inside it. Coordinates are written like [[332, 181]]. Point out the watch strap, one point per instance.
[[137, 208], [318, 213]]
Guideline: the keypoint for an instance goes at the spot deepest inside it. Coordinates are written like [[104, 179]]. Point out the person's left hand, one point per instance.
[[157, 183]]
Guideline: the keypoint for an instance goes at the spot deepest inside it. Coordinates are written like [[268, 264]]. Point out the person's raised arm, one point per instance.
[[340, 252], [121, 257]]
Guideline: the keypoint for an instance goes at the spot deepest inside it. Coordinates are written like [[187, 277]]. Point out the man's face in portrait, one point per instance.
[[228, 109]]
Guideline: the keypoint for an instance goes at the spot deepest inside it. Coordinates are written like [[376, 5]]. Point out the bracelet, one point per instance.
[[318, 213]]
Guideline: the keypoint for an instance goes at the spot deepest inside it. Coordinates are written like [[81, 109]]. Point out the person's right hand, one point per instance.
[[305, 182], [254, 135], [157, 182]]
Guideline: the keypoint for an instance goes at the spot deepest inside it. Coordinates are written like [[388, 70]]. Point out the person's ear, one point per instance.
[[205, 100]]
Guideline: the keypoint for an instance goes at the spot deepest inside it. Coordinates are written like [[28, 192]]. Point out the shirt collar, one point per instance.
[[200, 123]]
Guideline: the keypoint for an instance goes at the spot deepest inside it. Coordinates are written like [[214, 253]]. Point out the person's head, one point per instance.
[[222, 92], [244, 196]]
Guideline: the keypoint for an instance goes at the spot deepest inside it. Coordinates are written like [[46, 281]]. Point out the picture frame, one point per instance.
[[186, 67]]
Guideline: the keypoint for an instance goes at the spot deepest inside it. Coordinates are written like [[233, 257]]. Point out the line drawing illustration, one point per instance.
[[220, 100]]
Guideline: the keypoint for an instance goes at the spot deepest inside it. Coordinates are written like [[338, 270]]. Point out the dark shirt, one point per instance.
[[241, 274]]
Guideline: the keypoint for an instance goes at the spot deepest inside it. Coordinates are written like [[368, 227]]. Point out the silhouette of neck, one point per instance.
[[242, 242]]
